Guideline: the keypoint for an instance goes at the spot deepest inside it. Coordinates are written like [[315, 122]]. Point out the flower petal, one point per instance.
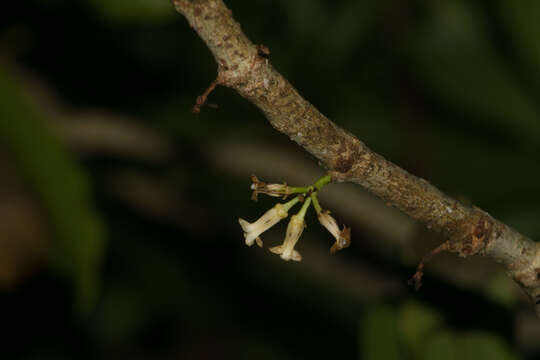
[[294, 230], [269, 219], [277, 249]]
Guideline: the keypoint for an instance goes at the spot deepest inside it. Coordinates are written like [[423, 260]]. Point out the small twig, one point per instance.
[[416, 279], [201, 100]]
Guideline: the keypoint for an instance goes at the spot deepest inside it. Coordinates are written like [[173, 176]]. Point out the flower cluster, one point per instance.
[[307, 195]]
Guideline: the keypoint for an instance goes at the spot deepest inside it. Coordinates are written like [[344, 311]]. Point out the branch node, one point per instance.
[[263, 51], [416, 279]]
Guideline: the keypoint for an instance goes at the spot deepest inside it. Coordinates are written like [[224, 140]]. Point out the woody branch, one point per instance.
[[245, 68]]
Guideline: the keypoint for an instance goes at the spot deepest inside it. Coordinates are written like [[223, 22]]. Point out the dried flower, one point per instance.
[[265, 222], [294, 230], [260, 187], [343, 237]]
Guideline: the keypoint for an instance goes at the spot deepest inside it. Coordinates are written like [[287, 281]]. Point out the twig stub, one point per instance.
[[416, 279], [201, 99]]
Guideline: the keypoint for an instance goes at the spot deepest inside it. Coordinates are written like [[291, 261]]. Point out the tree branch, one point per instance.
[[245, 68]]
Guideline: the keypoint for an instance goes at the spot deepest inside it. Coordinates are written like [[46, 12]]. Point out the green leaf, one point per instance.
[[482, 346], [468, 346], [380, 334], [418, 323], [61, 187], [442, 346]]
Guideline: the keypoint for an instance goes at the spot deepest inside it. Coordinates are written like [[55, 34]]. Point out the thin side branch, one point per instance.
[[416, 279], [245, 68], [201, 100]]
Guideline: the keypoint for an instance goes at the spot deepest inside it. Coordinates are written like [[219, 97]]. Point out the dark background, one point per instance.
[[119, 207]]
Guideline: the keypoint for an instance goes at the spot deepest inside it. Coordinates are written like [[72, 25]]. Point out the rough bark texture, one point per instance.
[[244, 67]]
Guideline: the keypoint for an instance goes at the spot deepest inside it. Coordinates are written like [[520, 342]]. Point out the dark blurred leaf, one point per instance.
[[481, 346], [380, 335], [344, 32], [441, 347], [61, 186], [418, 323], [455, 55], [447, 346], [521, 18]]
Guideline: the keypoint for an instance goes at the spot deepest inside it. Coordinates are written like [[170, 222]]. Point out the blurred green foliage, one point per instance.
[[414, 331], [380, 334], [447, 89], [458, 60], [61, 187]]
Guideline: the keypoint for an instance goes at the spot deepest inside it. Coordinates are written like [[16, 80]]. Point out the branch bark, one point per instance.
[[245, 68]]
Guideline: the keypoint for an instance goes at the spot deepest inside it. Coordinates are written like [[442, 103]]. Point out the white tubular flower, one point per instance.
[[294, 230], [265, 222], [343, 237]]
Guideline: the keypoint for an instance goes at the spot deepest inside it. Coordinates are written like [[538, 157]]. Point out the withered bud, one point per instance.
[[260, 187]]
